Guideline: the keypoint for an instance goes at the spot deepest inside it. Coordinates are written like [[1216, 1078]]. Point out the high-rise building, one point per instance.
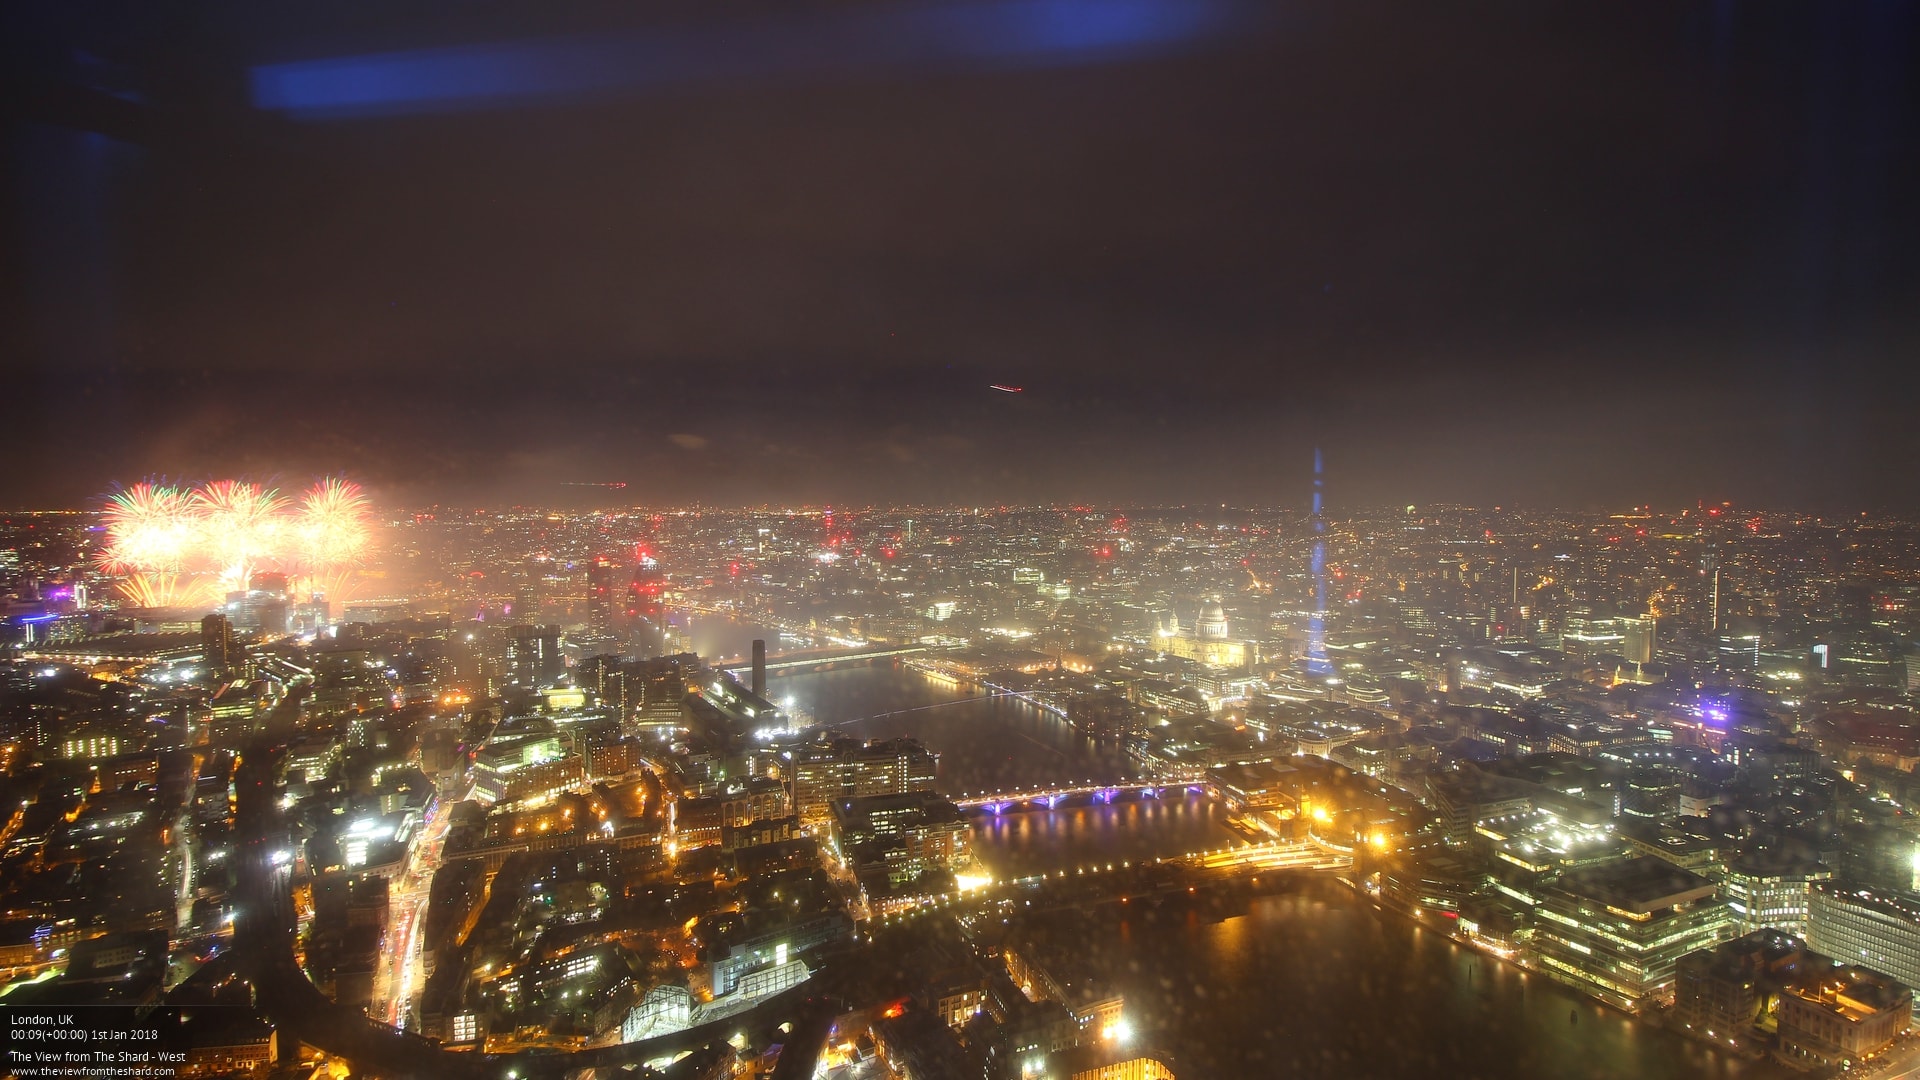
[[526, 602], [217, 646], [1585, 634], [1738, 645], [643, 590], [1877, 930], [533, 655], [603, 596], [1636, 638], [264, 610]]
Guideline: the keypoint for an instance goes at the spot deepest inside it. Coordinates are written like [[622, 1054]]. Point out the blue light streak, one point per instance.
[[961, 35], [1317, 662]]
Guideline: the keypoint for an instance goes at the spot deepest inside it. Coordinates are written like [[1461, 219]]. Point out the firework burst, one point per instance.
[[338, 586], [241, 527], [177, 546], [168, 590], [150, 527], [332, 527]]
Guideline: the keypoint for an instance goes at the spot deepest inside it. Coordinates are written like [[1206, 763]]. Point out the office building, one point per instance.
[[895, 839], [917, 1045], [533, 655], [1879, 931], [525, 768], [264, 610], [604, 587], [1050, 974], [1771, 891], [1738, 650], [1617, 929], [848, 769]]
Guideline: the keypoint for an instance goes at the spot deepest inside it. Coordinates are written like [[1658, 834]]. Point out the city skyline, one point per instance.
[[562, 790], [594, 496]]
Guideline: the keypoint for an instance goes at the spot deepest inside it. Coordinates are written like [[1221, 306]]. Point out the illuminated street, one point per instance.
[[409, 904]]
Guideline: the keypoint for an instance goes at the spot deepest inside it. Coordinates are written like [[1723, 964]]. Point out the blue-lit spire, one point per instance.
[[1317, 662]]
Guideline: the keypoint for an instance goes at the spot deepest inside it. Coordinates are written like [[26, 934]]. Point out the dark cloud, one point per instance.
[[1575, 254]]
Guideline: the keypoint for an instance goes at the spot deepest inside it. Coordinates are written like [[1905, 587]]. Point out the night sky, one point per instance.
[[1566, 254]]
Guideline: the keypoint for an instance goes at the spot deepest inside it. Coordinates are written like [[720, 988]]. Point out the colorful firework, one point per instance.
[[337, 586], [150, 527], [179, 546], [168, 590], [333, 527], [241, 527]]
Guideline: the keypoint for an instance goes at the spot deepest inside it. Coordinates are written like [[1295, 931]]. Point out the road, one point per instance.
[[402, 966], [181, 961], [183, 843], [264, 935], [1900, 1063]]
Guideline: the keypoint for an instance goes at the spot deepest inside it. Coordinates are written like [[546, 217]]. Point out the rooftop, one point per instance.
[[1639, 885], [1853, 992], [1899, 905]]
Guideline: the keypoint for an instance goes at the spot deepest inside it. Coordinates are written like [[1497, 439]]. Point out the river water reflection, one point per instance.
[[1310, 983], [996, 743]]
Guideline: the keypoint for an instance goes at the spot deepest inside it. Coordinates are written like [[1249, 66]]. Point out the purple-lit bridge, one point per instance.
[[1003, 802]]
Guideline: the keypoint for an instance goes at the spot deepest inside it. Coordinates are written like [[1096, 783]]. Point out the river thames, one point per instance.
[[1308, 983]]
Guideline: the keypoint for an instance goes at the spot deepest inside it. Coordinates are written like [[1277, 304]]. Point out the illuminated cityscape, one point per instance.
[[635, 786], [960, 540]]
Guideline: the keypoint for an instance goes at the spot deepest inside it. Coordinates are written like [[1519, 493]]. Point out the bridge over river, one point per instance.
[[800, 659], [1001, 802]]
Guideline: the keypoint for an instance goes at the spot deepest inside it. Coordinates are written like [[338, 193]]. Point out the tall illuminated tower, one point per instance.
[[603, 583], [1317, 662]]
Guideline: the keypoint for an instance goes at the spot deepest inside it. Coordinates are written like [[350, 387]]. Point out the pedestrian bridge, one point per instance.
[[792, 661]]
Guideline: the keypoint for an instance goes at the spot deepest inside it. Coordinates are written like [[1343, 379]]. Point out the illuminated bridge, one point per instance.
[[1277, 855], [1000, 802], [790, 661]]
